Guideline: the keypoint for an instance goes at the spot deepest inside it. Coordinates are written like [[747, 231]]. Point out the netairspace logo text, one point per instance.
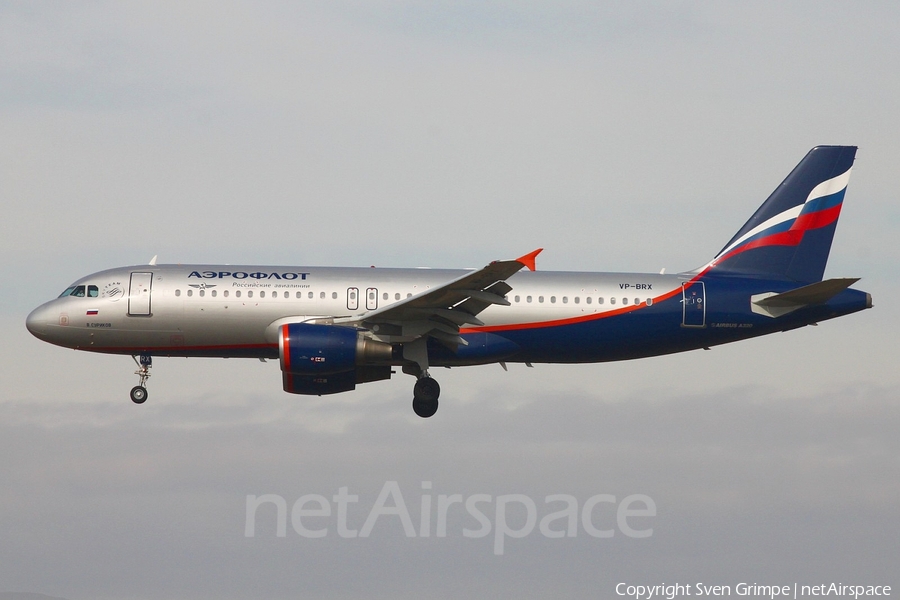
[[749, 590], [314, 515]]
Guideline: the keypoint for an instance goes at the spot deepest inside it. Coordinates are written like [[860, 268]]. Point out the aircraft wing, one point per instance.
[[441, 311]]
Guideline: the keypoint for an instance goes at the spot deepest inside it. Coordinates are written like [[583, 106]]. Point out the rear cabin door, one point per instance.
[[139, 294], [693, 304]]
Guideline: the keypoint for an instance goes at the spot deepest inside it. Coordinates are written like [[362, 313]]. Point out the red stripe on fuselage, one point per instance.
[[574, 320], [173, 349]]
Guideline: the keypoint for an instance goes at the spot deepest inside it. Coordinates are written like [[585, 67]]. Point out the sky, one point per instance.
[[621, 136]]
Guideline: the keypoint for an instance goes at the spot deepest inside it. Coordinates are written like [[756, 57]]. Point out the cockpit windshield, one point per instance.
[[79, 291]]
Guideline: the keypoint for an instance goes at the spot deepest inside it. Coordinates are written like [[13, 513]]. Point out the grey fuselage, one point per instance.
[[235, 311]]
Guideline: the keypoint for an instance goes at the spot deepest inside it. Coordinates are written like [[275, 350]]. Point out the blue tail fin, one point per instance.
[[790, 235]]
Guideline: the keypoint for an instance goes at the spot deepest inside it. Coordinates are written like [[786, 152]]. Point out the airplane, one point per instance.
[[333, 328]]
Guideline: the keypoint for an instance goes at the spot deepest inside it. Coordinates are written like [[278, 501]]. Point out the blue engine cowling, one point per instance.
[[306, 349], [328, 359], [320, 385]]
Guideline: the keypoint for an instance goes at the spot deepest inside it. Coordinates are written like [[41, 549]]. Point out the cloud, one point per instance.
[[160, 496]]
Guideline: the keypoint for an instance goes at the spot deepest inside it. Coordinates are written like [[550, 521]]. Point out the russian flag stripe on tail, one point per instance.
[[789, 236]]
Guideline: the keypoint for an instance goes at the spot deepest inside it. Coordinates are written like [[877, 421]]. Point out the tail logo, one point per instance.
[[822, 207]]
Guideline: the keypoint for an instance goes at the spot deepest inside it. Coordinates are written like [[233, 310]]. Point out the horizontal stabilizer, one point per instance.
[[774, 305]]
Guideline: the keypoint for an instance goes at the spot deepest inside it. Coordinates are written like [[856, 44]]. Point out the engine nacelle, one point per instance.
[[327, 359], [320, 385], [306, 349]]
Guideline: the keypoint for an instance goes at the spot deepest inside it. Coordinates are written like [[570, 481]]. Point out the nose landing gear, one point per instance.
[[139, 392]]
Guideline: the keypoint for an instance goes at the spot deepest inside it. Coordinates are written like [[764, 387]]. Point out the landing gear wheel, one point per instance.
[[425, 397], [138, 394], [425, 408]]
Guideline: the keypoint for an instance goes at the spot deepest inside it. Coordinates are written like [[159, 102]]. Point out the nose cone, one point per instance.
[[37, 321]]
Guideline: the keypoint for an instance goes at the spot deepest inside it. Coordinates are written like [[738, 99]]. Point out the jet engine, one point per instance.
[[328, 359]]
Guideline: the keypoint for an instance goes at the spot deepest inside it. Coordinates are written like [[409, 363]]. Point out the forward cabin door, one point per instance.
[[139, 294]]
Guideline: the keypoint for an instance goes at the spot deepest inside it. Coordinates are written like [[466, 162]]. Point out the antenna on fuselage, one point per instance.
[[153, 260]]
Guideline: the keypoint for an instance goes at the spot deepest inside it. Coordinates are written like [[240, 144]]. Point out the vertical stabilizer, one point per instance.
[[789, 236]]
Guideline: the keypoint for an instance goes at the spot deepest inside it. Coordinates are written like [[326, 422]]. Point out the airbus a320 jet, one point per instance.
[[333, 328]]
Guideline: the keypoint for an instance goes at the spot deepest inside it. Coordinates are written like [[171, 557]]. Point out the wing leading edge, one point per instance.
[[441, 311]]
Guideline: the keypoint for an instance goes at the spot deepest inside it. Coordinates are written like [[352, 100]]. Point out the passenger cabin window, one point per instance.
[[225, 293], [334, 295], [396, 296], [190, 292], [262, 294], [214, 293], [249, 293], [237, 294], [177, 293]]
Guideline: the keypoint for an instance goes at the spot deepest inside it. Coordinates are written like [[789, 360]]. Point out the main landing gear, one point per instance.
[[426, 390], [425, 396], [139, 392]]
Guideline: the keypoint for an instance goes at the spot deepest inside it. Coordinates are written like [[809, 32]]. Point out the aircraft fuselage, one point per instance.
[[560, 317]]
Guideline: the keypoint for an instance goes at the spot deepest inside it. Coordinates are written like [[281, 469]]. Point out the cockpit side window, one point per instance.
[[79, 291]]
